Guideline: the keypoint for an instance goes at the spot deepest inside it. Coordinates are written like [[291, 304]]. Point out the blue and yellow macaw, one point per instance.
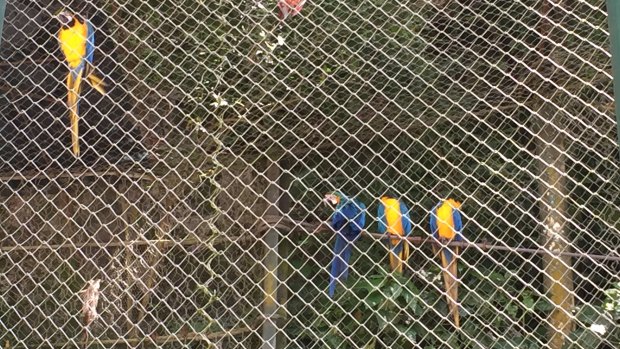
[[394, 219], [77, 43], [348, 221], [446, 225]]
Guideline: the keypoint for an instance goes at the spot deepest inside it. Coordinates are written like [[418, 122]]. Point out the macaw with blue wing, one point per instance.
[[77, 43], [394, 219], [348, 221], [446, 225]]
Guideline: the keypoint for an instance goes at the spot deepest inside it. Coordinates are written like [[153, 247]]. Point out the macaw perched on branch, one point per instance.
[[77, 43], [394, 219], [290, 7], [446, 225], [348, 221]]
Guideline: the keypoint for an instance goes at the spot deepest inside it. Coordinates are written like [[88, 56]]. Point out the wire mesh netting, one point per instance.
[[195, 213]]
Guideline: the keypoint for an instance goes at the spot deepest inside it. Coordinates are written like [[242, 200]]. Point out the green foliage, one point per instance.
[[597, 325], [381, 309], [382, 305], [204, 321], [612, 303]]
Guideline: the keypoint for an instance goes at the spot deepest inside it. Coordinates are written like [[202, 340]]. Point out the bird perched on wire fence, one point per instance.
[[77, 43]]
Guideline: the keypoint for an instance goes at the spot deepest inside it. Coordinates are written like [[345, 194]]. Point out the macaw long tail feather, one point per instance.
[[340, 263], [97, 83], [73, 101], [399, 254], [450, 278], [405, 253], [406, 250], [73, 117]]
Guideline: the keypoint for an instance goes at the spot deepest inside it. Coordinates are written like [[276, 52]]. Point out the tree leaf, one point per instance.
[[393, 290], [373, 300], [408, 332], [583, 338], [528, 301], [411, 300]]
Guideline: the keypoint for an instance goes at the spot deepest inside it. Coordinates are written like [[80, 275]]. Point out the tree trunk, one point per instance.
[[558, 274], [285, 251], [270, 283]]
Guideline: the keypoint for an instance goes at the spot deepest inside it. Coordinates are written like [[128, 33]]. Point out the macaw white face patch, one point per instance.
[[331, 199]]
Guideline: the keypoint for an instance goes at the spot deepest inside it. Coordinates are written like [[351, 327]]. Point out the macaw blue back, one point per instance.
[[458, 226], [348, 222], [90, 42]]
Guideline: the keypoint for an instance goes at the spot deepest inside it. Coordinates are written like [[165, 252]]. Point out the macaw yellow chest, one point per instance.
[[445, 222], [73, 43], [393, 216]]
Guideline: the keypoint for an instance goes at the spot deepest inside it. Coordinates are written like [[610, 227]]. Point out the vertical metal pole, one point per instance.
[[613, 22]]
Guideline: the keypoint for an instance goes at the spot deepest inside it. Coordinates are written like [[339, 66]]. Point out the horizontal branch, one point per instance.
[[416, 240], [156, 339], [81, 173], [286, 224], [159, 243], [419, 241]]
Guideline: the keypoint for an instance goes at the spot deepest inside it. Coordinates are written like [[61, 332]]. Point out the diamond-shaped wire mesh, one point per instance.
[[197, 198]]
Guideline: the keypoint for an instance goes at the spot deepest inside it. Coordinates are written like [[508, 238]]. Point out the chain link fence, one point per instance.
[[197, 196]]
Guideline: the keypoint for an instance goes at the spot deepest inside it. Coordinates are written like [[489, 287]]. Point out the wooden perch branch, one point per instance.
[[417, 240], [160, 244], [54, 174], [108, 343]]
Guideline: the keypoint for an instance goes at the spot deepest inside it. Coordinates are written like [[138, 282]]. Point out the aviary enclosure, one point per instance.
[[197, 196]]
